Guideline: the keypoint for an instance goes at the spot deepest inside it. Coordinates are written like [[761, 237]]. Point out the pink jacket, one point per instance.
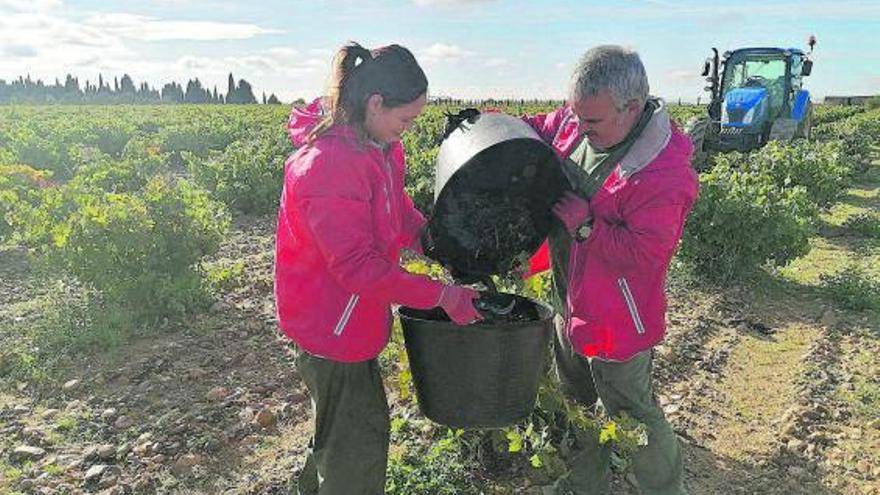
[[616, 293], [343, 219]]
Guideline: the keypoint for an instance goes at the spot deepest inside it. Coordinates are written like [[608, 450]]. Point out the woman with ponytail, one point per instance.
[[344, 218]]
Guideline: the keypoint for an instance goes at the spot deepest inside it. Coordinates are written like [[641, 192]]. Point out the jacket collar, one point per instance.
[[649, 144]]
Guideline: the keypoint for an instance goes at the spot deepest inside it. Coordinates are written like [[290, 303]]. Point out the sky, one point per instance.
[[468, 48]]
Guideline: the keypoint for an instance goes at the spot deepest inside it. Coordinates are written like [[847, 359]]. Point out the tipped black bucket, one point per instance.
[[484, 375], [496, 181]]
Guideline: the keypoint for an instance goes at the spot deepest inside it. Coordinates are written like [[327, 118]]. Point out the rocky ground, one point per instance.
[[772, 389]]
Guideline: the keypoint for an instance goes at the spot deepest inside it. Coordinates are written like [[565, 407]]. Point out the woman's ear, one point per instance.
[[374, 103]]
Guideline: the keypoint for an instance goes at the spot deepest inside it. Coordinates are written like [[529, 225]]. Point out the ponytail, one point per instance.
[[357, 73]]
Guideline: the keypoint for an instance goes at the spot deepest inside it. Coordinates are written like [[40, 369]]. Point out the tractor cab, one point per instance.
[[757, 96], [758, 87]]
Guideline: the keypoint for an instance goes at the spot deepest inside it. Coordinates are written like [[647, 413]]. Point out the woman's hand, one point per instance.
[[458, 302]]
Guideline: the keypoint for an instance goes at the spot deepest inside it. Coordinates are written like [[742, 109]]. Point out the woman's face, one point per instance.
[[385, 125]]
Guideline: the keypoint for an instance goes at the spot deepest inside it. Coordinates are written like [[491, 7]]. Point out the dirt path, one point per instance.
[[211, 407], [780, 391]]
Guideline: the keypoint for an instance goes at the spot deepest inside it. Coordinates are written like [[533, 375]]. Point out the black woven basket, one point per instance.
[[478, 376]]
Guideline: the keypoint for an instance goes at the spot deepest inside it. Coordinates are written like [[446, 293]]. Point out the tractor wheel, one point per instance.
[[697, 128], [805, 127]]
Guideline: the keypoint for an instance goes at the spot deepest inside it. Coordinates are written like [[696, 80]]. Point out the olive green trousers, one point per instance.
[[623, 387], [348, 453]]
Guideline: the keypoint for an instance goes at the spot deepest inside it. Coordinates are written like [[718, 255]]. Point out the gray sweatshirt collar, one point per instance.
[[649, 144]]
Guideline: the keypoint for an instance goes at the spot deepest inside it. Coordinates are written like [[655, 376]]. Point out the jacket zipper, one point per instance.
[[346, 315], [631, 304]]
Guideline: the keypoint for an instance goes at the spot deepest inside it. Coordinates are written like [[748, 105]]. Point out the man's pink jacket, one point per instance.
[[616, 304]]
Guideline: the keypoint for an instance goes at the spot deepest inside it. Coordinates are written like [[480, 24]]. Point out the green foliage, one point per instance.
[[823, 114], [856, 135], [19, 187], [66, 423], [46, 143], [12, 473], [421, 145], [223, 277], [865, 224], [437, 467], [112, 140], [821, 168], [138, 250], [743, 219], [96, 170], [7, 157], [420, 172], [248, 174], [118, 241], [538, 287], [42, 153], [681, 114], [198, 139], [558, 425], [853, 288]]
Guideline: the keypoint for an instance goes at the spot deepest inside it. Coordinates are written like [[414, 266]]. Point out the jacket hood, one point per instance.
[[303, 120]]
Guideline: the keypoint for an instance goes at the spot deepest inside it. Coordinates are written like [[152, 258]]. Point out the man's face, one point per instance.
[[600, 120]]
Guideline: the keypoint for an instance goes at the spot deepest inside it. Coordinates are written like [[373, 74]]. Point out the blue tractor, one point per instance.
[[757, 96]]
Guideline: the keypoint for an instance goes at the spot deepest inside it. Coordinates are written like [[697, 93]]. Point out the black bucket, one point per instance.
[[483, 375], [495, 184]]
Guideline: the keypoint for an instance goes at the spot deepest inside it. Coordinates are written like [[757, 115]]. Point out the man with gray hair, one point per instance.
[[632, 188]]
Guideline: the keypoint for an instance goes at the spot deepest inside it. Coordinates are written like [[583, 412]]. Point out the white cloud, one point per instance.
[[35, 41], [444, 53], [153, 29]]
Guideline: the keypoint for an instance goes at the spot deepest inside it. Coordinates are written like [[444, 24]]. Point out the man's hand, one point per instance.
[[573, 210]]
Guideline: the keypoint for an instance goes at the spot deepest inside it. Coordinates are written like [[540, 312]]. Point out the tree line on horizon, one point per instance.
[[123, 91]]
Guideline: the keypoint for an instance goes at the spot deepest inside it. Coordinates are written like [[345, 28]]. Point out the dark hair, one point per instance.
[[358, 73]]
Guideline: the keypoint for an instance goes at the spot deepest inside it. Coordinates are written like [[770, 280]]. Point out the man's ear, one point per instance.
[[633, 107]]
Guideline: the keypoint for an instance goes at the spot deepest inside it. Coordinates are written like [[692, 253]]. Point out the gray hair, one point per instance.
[[611, 67]]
